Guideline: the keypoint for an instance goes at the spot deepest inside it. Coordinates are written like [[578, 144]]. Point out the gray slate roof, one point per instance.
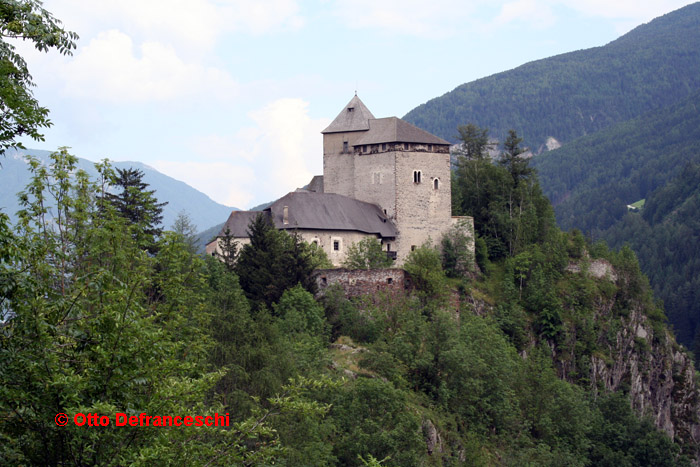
[[353, 117], [395, 130], [317, 211], [238, 223], [330, 211]]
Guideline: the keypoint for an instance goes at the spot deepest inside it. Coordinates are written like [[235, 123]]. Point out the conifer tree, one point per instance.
[[138, 205]]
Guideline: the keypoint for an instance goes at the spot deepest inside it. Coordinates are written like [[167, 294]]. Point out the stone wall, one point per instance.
[[358, 282], [422, 211]]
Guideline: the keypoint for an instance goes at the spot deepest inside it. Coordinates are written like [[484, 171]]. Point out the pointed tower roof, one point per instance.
[[354, 117]]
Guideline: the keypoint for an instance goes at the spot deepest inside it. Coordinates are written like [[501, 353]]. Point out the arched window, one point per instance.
[[436, 183], [416, 176]]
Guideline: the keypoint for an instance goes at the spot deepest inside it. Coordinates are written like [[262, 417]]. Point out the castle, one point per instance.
[[382, 178]]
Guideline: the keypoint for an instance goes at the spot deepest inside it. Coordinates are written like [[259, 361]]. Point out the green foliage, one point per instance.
[[273, 262], [424, 265], [186, 230], [230, 249], [457, 256], [137, 205], [21, 112], [367, 254], [318, 257], [620, 438], [371, 419], [505, 201]]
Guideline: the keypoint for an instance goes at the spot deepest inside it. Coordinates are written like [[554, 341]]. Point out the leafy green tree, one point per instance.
[[138, 205], [367, 254], [80, 319], [21, 113], [424, 264], [457, 256]]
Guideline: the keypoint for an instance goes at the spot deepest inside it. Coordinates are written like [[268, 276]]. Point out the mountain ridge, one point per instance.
[[202, 210], [577, 93]]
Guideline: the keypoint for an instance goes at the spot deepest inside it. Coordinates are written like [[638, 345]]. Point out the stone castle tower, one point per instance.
[[395, 165]]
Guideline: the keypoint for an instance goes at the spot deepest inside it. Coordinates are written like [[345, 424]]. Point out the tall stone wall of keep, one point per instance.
[[423, 211], [338, 164], [375, 180]]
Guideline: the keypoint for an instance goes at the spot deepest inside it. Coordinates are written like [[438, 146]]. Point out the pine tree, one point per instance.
[[138, 205], [273, 262]]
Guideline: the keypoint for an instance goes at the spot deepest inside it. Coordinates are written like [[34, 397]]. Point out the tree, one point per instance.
[[273, 262], [186, 230], [367, 254], [20, 113], [230, 249], [457, 256], [512, 159], [474, 141], [138, 205]]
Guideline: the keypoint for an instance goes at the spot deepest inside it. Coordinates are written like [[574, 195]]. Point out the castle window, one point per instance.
[[336, 245], [405, 146], [364, 148], [383, 146], [350, 109], [345, 147], [389, 280], [436, 184], [416, 176]]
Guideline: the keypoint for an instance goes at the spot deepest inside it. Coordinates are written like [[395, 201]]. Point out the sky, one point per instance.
[[230, 96]]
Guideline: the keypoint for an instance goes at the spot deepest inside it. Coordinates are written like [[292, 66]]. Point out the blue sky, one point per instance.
[[230, 96]]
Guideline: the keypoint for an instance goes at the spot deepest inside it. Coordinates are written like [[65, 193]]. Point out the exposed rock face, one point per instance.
[[433, 440], [598, 269], [646, 362]]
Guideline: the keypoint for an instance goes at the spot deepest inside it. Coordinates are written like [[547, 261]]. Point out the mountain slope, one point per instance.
[[581, 92], [203, 211], [592, 179], [666, 237]]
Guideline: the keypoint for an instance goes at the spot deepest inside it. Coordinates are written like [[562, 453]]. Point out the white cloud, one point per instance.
[[435, 19], [197, 23], [259, 163], [108, 69], [535, 13], [439, 19], [292, 149], [226, 183]]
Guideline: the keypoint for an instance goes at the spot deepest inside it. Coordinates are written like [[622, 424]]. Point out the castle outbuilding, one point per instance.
[[382, 178]]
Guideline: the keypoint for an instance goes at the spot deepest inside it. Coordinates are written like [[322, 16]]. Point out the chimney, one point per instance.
[[285, 215]]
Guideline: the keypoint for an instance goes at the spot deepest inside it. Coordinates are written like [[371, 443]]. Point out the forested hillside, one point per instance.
[[554, 354], [592, 179], [578, 93], [666, 237]]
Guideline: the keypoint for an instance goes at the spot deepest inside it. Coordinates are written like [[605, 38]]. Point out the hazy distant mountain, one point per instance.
[[203, 211], [581, 92]]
